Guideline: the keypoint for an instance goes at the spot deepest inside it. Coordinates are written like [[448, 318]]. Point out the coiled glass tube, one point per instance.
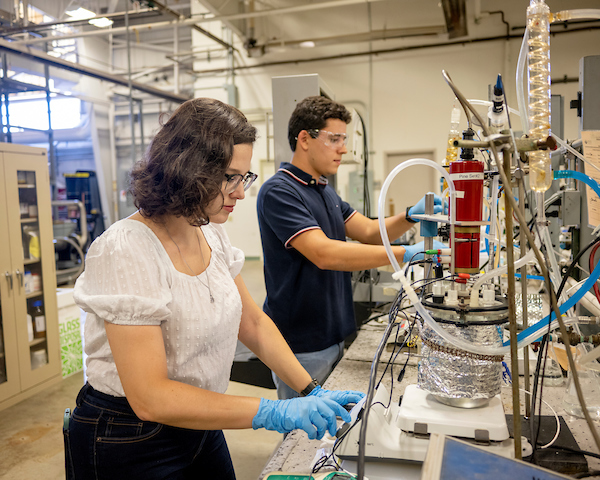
[[538, 77]]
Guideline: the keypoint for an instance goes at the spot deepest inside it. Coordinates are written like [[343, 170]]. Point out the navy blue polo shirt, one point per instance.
[[312, 308]]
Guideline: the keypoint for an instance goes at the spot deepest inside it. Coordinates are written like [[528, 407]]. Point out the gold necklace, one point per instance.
[[207, 285]]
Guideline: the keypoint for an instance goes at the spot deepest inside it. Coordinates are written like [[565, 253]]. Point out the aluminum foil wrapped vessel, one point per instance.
[[456, 377]]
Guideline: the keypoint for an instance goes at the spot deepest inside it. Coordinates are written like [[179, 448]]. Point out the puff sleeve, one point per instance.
[[125, 279]]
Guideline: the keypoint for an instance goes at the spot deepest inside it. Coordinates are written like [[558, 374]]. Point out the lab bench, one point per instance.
[[296, 454]]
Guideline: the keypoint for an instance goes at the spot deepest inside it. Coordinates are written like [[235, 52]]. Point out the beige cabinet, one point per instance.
[[29, 340]]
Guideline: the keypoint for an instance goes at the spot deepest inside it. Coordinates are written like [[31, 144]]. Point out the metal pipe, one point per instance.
[[218, 18], [51, 151], [40, 56], [113, 162], [512, 325], [176, 64], [32, 28], [131, 114], [428, 241], [523, 271]]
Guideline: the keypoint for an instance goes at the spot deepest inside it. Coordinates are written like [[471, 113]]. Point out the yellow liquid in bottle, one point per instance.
[[540, 171], [451, 155]]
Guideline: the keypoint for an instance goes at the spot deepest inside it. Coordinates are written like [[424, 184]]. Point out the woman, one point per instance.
[[165, 306]]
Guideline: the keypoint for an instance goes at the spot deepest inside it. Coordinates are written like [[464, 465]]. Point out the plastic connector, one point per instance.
[[489, 297], [558, 174], [438, 251], [452, 297]]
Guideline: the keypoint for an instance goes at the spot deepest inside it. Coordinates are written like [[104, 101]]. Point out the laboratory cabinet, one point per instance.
[[29, 339]]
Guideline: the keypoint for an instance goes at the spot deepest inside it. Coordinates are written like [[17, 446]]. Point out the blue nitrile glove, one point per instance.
[[314, 415], [419, 249], [343, 397], [419, 208]]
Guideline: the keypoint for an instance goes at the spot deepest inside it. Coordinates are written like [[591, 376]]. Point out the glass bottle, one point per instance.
[[451, 150], [39, 320]]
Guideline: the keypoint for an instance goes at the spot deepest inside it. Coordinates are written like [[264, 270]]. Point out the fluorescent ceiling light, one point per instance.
[[307, 44], [101, 22], [80, 14]]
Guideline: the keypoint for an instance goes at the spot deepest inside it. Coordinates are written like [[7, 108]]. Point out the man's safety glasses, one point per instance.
[[232, 182], [332, 140]]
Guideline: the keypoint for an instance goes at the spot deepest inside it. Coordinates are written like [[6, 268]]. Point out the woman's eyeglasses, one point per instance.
[[232, 182]]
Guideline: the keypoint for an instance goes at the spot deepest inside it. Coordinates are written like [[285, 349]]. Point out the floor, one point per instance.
[[31, 444]]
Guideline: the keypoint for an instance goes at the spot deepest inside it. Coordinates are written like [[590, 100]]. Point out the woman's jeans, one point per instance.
[[106, 440]]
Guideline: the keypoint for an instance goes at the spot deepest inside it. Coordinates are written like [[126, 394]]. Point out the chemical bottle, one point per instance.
[[498, 119], [451, 150], [34, 244], [29, 328], [38, 320]]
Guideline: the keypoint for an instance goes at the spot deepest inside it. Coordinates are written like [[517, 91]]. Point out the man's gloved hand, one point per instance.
[[312, 414], [418, 248], [343, 397], [419, 208]]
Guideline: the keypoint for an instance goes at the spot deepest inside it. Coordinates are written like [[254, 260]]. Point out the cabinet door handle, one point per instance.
[[9, 279], [20, 276]]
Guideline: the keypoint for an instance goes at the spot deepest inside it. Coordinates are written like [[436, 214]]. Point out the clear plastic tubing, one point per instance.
[[493, 214], [579, 14], [538, 83], [520, 87], [383, 194], [487, 103], [529, 257]]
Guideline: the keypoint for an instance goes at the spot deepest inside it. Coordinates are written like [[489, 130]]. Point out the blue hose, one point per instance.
[[592, 279]]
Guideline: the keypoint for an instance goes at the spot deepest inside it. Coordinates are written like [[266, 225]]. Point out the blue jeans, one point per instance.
[[106, 440], [319, 364]]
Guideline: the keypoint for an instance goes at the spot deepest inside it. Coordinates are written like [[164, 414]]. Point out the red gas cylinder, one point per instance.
[[468, 181]]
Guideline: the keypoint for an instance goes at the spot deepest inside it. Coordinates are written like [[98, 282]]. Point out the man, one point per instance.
[[304, 225]]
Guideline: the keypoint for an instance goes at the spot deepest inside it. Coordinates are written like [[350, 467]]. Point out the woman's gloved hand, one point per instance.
[[418, 248], [343, 397], [419, 208], [312, 414]]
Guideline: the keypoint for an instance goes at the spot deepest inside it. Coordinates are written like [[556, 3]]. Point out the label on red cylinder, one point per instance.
[[467, 176]]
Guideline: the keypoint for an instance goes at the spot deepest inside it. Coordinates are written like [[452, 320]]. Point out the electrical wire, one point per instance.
[[544, 348], [571, 267], [551, 442], [592, 265], [371, 388]]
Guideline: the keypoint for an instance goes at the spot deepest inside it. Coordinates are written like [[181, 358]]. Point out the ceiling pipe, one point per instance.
[[193, 21], [340, 56], [206, 33], [46, 59], [36, 27], [374, 35]]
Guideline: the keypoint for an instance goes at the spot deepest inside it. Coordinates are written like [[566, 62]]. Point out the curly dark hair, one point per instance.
[[313, 112], [183, 168]]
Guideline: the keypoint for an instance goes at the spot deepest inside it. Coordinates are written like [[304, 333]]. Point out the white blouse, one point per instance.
[[129, 279]]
